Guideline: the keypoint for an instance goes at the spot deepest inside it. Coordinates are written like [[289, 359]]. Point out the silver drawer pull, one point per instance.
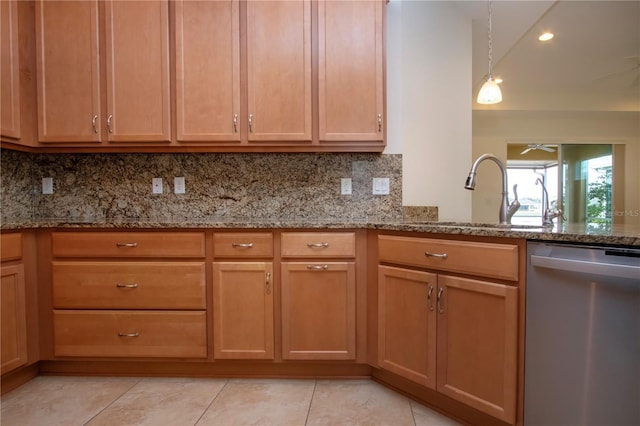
[[268, 282], [128, 334], [438, 255], [241, 245], [429, 298], [127, 245], [317, 267], [318, 245], [134, 285]]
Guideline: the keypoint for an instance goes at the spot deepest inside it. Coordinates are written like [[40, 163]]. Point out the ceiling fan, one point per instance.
[[534, 146]]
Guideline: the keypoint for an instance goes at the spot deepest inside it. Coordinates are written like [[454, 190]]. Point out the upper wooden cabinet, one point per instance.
[[9, 71], [279, 70], [74, 105], [207, 49], [137, 59], [247, 75], [350, 70]]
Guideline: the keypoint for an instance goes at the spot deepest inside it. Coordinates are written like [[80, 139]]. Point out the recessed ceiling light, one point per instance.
[[545, 37], [498, 80]]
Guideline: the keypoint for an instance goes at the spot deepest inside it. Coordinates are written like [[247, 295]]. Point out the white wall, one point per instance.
[[429, 103]]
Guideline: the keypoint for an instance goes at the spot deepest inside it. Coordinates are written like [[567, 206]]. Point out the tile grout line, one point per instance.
[[140, 379], [413, 414], [226, 382], [315, 384]]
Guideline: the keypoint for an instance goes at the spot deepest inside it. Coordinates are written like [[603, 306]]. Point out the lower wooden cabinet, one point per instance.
[[454, 335], [243, 310], [407, 323], [14, 321], [318, 311], [104, 333]]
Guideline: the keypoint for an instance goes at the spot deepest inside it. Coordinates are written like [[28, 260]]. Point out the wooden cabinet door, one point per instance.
[[477, 345], [68, 72], [407, 323], [14, 318], [137, 60], [243, 310], [207, 48], [350, 74], [318, 311], [9, 71], [279, 70]]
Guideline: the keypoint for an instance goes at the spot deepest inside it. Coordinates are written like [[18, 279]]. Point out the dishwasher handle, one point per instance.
[[587, 267]]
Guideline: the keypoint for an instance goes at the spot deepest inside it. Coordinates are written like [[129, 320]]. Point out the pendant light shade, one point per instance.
[[490, 92]]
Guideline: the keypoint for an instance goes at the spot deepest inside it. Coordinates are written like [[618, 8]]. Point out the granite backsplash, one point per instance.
[[100, 187]]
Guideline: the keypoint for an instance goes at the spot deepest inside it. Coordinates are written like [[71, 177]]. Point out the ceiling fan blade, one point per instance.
[[525, 151], [546, 148]]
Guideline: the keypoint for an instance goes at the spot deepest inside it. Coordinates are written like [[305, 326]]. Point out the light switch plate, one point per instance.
[[380, 186], [156, 185], [178, 185], [47, 186], [345, 186]]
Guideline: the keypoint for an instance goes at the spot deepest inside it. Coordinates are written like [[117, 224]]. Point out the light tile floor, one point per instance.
[[100, 401]]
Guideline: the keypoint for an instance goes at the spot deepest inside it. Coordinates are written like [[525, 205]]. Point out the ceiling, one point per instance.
[[592, 63]]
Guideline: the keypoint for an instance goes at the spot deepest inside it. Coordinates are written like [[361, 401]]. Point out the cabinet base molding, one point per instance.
[[434, 400], [228, 369], [19, 377]]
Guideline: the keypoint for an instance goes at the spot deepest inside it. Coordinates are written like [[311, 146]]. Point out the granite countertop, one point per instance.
[[626, 235]]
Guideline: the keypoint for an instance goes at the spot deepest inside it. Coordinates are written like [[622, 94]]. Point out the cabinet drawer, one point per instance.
[[10, 246], [122, 285], [168, 334], [127, 244], [243, 244], [474, 258], [318, 244]]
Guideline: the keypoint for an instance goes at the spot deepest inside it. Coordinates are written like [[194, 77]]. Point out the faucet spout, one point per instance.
[[506, 210], [547, 214]]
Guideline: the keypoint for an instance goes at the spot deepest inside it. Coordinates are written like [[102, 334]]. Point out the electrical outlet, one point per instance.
[[47, 186], [345, 186], [380, 186], [178, 185], [156, 185]]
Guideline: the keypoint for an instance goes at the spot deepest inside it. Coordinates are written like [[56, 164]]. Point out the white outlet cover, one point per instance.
[[178, 185], [345, 186], [156, 185], [47, 186], [380, 186]]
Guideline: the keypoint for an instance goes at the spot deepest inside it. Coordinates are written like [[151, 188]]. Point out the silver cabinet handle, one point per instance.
[[128, 334], [268, 283], [134, 285], [94, 122], [250, 123], [318, 245], [379, 123], [429, 298], [241, 245], [235, 123], [317, 267], [130, 245], [439, 299], [438, 255], [109, 118]]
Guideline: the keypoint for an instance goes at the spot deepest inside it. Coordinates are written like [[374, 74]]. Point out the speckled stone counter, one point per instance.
[[619, 235]]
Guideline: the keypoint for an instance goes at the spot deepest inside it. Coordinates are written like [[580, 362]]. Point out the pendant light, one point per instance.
[[490, 92]]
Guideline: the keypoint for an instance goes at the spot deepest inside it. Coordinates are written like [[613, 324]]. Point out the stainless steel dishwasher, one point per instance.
[[582, 354]]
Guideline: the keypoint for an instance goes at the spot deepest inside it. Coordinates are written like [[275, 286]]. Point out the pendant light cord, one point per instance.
[[490, 45]]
